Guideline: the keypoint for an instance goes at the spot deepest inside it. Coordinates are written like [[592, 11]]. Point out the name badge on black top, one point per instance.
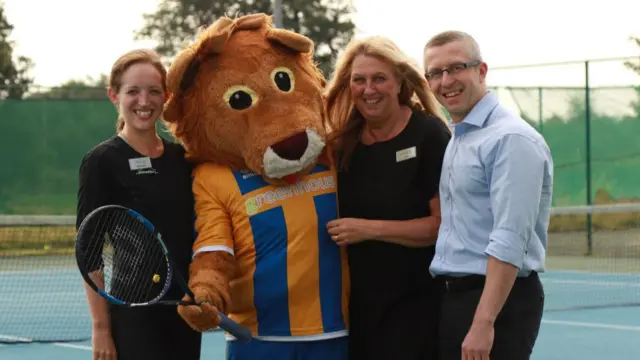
[[140, 163], [406, 154]]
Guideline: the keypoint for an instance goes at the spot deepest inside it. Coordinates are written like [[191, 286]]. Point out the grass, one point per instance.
[[36, 240], [600, 221]]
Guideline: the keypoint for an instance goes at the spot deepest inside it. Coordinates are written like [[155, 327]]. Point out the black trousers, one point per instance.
[[388, 325], [515, 329], [155, 332]]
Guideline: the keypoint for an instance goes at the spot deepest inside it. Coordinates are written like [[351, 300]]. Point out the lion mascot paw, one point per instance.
[[246, 102]]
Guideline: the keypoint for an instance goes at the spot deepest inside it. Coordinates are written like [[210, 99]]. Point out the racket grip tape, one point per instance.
[[241, 333]]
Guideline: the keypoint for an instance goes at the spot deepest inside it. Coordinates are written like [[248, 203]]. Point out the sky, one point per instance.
[[73, 39]]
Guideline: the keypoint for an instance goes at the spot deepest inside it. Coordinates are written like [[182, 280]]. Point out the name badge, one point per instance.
[[139, 163], [406, 154]]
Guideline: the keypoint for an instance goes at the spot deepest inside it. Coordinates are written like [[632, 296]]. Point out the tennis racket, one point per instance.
[[123, 258]]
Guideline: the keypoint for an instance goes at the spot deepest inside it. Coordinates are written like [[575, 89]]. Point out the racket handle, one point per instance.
[[241, 333]]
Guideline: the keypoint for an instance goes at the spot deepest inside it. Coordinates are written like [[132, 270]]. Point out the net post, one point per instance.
[[587, 104], [277, 13]]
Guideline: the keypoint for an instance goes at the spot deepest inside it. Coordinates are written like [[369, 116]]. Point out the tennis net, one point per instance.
[[42, 298], [593, 269]]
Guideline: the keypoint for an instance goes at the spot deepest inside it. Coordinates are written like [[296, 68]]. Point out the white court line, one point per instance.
[[15, 338], [72, 346], [592, 325], [26, 340], [591, 272], [591, 282]]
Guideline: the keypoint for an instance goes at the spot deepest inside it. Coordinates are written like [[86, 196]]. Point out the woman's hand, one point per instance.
[[350, 231], [102, 344]]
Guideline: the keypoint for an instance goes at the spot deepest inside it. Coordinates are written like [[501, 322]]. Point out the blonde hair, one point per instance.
[[124, 62], [344, 121]]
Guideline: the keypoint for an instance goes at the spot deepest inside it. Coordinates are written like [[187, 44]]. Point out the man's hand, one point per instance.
[[478, 342], [201, 317], [497, 287]]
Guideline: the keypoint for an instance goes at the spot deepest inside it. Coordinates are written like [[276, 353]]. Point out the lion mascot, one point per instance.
[[246, 102]]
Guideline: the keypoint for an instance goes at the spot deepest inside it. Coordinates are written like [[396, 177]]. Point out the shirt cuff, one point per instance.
[[211, 248], [506, 246]]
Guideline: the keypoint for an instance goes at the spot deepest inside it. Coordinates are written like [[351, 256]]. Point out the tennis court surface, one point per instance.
[[592, 306]]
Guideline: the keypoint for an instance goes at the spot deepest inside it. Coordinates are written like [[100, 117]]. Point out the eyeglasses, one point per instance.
[[451, 70]]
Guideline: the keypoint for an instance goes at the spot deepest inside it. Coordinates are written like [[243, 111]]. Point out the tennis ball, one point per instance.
[[156, 278], [47, 247]]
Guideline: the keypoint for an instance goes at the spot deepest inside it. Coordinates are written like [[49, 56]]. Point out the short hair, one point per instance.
[[450, 36]]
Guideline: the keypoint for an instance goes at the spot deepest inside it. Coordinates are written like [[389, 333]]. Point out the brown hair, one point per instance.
[[345, 122], [124, 62]]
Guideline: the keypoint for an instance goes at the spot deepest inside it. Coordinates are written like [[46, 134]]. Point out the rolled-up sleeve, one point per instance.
[[517, 176]]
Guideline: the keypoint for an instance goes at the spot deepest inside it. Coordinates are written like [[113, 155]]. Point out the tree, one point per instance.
[[76, 90], [14, 75], [326, 22], [631, 65], [635, 67]]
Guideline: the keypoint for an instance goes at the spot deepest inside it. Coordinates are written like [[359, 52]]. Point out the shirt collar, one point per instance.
[[478, 116]]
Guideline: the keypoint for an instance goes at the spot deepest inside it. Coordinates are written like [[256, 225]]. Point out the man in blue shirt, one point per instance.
[[495, 192]]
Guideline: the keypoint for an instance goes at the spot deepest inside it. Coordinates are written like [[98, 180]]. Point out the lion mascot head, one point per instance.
[[249, 96]]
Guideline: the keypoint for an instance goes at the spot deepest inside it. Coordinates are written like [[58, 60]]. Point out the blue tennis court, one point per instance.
[[29, 311]]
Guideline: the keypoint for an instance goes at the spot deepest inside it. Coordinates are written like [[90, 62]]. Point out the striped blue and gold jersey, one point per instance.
[[292, 280]]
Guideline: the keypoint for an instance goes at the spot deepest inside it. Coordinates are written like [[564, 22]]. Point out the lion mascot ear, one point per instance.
[[185, 66]]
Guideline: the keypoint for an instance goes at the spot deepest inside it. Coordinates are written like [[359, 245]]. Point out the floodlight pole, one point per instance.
[[277, 13], [587, 103]]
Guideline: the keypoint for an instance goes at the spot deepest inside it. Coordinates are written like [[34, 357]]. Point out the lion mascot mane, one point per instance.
[[246, 102]]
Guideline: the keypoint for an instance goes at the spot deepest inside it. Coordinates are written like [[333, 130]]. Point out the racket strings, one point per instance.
[[136, 264], [98, 263], [126, 259], [138, 260]]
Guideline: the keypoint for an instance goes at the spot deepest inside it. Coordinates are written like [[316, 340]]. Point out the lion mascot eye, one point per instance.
[[284, 79], [240, 97]]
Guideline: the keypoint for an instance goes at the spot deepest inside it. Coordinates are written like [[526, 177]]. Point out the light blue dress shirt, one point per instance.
[[495, 192]]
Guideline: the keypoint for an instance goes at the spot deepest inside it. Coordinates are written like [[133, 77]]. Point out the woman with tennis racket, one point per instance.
[[139, 170]]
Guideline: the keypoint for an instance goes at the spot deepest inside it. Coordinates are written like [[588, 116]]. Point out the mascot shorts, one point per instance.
[[333, 349]]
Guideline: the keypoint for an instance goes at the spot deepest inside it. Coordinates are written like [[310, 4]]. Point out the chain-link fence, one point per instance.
[[589, 113], [43, 138]]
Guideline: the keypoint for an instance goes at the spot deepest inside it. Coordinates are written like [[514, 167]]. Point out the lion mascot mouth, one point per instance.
[[292, 155]]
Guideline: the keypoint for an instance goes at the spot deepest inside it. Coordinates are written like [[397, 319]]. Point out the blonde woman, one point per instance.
[[389, 144]]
